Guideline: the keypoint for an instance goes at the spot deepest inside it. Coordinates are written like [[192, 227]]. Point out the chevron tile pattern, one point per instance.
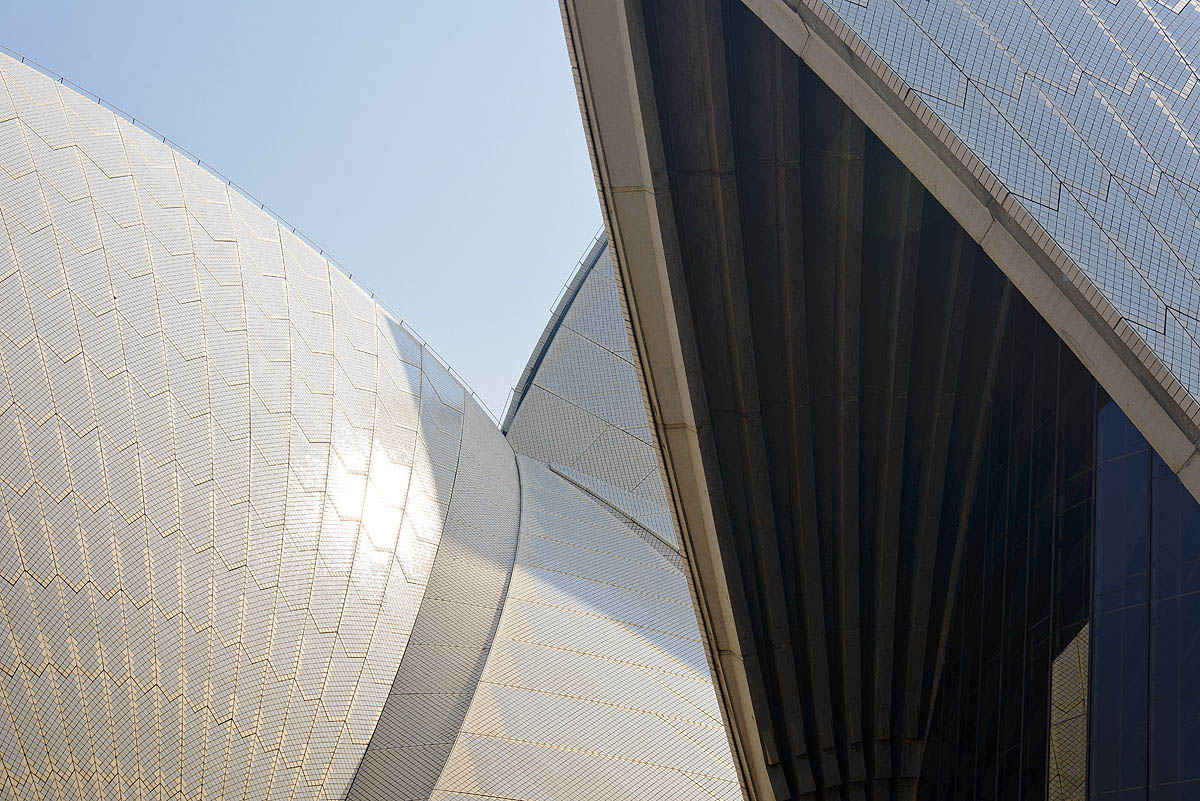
[[597, 685], [1086, 110], [259, 543], [455, 625], [224, 474], [582, 379]]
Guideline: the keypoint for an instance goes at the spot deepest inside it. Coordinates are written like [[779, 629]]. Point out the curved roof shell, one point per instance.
[[1085, 113], [261, 543], [227, 471]]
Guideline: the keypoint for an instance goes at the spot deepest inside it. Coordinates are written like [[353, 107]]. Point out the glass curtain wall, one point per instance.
[[1072, 666], [1145, 729]]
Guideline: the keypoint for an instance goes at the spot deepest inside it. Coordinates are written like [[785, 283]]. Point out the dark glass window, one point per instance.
[[1120, 616], [1174, 640], [1011, 700], [1072, 666]]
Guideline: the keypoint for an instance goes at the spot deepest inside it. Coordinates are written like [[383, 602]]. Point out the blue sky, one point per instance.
[[433, 148]]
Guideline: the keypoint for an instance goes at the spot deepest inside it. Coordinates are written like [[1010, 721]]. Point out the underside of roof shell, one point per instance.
[[1047, 131], [1062, 136]]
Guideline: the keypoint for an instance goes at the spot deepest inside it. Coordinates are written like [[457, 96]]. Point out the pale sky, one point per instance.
[[433, 148]]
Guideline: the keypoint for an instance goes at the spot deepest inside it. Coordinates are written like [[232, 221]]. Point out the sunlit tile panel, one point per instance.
[[580, 406], [1087, 112], [454, 627], [224, 474], [597, 685]]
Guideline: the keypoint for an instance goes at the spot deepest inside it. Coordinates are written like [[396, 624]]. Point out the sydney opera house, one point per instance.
[[858, 460]]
